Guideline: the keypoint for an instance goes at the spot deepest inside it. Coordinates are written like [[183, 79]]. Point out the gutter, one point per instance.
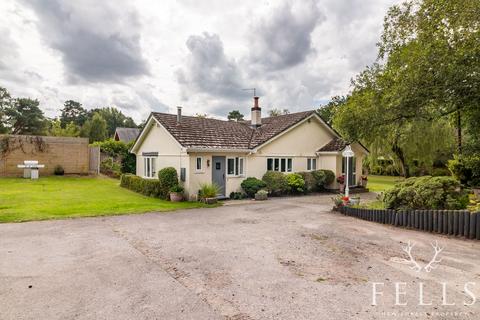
[[217, 150]]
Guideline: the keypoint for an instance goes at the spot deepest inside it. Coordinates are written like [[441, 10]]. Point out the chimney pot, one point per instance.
[[179, 114]]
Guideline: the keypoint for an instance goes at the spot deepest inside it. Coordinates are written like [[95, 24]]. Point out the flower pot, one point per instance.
[[210, 200], [176, 196], [355, 201]]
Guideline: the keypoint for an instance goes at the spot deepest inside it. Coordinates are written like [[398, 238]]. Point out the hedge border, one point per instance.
[[458, 223]]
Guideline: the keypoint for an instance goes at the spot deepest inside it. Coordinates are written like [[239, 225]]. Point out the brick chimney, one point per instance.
[[256, 114], [179, 114]]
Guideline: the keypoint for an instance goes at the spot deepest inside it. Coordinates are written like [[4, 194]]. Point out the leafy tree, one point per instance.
[[277, 112], [25, 117], [95, 128], [114, 118], [427, 72], [73, 112], [235, 115], [328, 111], [5, 103], [70, 130]]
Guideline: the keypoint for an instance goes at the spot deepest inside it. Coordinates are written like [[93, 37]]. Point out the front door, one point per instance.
[[218, 173]]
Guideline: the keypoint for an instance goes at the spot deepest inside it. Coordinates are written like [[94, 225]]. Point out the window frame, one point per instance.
[[238, 166], [279, 163], [311, 164], [197, 170], [149, 167]]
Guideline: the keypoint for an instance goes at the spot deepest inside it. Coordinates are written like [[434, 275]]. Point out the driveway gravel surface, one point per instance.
[[288, 258]]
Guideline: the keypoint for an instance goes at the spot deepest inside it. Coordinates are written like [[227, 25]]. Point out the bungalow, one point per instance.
[[205, 150]]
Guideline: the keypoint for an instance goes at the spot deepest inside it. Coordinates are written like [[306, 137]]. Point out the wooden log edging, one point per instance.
[[458, 223]]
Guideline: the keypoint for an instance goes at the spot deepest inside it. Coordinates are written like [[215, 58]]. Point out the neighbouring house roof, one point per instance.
[[196, 132], [126, 134]]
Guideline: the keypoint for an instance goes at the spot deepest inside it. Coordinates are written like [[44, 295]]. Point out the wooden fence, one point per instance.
[[461, 223]]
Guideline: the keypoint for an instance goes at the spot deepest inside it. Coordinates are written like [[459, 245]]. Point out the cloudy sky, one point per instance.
[[149, 55]]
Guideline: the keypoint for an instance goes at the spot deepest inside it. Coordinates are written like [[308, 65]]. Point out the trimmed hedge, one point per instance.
[[148, 187], [295, 182]]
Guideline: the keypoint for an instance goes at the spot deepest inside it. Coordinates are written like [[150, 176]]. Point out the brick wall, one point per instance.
[[71, 153]]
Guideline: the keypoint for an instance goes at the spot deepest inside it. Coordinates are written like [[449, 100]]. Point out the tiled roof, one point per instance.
[[212, 133], [336, 144], [127, 134]]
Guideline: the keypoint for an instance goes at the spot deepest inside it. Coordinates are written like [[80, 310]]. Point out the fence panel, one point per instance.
[[461, 223]]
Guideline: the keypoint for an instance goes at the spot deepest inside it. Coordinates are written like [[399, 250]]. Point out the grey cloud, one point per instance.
[[283, 39], [99, 40], [208, 71]]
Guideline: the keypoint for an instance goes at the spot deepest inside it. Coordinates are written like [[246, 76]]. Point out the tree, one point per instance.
[[95, 128], [70, 130], [114, 118], [277, 112], [25, 117], [235, 115], [5, 103], [73, 112], [328, 111], [426, 72]]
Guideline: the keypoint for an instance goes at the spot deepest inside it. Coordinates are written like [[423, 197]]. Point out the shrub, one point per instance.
[[237, 195], [148, 187], [466, 169], [276, 182], [426, 193], [58, 170], [440, 172], [251, 185], [110, 168], [177, 189], [310, 181], [295, 182], [208, 190], [119, 151], [167, 178], [323, 178]]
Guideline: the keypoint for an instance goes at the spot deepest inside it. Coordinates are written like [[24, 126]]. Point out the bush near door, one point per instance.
[[276, 182], [252, 185]]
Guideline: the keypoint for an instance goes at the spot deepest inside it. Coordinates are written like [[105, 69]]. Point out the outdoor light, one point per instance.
[[208, 163], [347, 153]]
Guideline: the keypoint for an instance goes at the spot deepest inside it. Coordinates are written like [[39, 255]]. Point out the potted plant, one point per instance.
[[346, 200], [208, 193], [176, 193], [364, 181], [341, 182], [261, 195], [337, 202]]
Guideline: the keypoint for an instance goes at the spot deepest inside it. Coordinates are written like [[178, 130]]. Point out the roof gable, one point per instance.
[[127, 134]]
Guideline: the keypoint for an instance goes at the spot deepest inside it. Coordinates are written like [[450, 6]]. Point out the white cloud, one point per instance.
[[148, 55]]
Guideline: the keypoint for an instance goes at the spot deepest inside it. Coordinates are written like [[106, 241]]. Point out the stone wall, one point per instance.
[[71, 153]]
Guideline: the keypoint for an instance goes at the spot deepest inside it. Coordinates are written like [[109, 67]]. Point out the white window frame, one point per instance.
[[149, 167], [238, 167], [201, 170], [310, 162], [278, 163]]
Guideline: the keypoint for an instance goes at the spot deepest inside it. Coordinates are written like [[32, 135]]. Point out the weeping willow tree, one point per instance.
[[414, 101]]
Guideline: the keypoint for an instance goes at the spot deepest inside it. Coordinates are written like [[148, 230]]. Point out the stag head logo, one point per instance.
[[414, 265]]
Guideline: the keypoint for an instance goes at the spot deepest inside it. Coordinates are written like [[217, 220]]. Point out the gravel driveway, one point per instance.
[[288, 258]]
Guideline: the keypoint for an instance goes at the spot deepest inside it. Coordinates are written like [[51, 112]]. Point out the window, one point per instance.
[[149, 170], [311, 164], [199, 164], [352, 169], [279, 164], [235, 166]]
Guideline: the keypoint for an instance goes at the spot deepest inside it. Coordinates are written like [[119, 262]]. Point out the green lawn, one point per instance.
[[381, 183], [66, 197]]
